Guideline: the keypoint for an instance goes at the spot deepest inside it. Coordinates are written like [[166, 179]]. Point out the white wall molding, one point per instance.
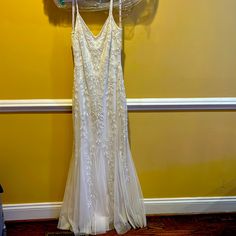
[[158, 206], [134, 104], [182, 104], [35, 105], [29, 211]]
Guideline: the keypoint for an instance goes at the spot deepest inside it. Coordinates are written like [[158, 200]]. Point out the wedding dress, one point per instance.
[[102, 190]]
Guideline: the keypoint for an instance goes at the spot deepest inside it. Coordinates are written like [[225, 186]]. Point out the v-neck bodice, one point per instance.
[[97, 51], [80, 23], [109, 20]]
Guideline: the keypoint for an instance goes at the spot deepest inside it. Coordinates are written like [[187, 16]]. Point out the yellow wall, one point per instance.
[[180, 49], [176, 154]]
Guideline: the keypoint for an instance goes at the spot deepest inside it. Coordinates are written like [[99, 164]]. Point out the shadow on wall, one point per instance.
[[141, 14], [57, 16]]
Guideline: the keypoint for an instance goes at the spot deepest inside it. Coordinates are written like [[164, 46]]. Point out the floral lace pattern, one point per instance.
[[102, 190]]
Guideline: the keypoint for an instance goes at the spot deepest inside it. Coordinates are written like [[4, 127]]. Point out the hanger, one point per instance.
[[97, 5]]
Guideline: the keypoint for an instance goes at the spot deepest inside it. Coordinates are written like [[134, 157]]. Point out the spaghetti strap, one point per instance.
[[120, 11], [75, 12], [111, 7]]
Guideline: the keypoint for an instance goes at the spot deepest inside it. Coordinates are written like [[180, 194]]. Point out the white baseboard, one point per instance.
[[30, 211], [193, 205], [159, 206]]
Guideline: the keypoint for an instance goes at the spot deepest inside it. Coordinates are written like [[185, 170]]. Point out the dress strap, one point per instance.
[[111, 7], [75, 12], [120, 13], [120, 10]]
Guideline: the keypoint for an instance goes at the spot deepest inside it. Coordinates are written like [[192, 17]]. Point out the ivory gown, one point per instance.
[[102, 190]]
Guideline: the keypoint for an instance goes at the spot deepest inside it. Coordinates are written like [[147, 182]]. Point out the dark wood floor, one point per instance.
[[201, 225]]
